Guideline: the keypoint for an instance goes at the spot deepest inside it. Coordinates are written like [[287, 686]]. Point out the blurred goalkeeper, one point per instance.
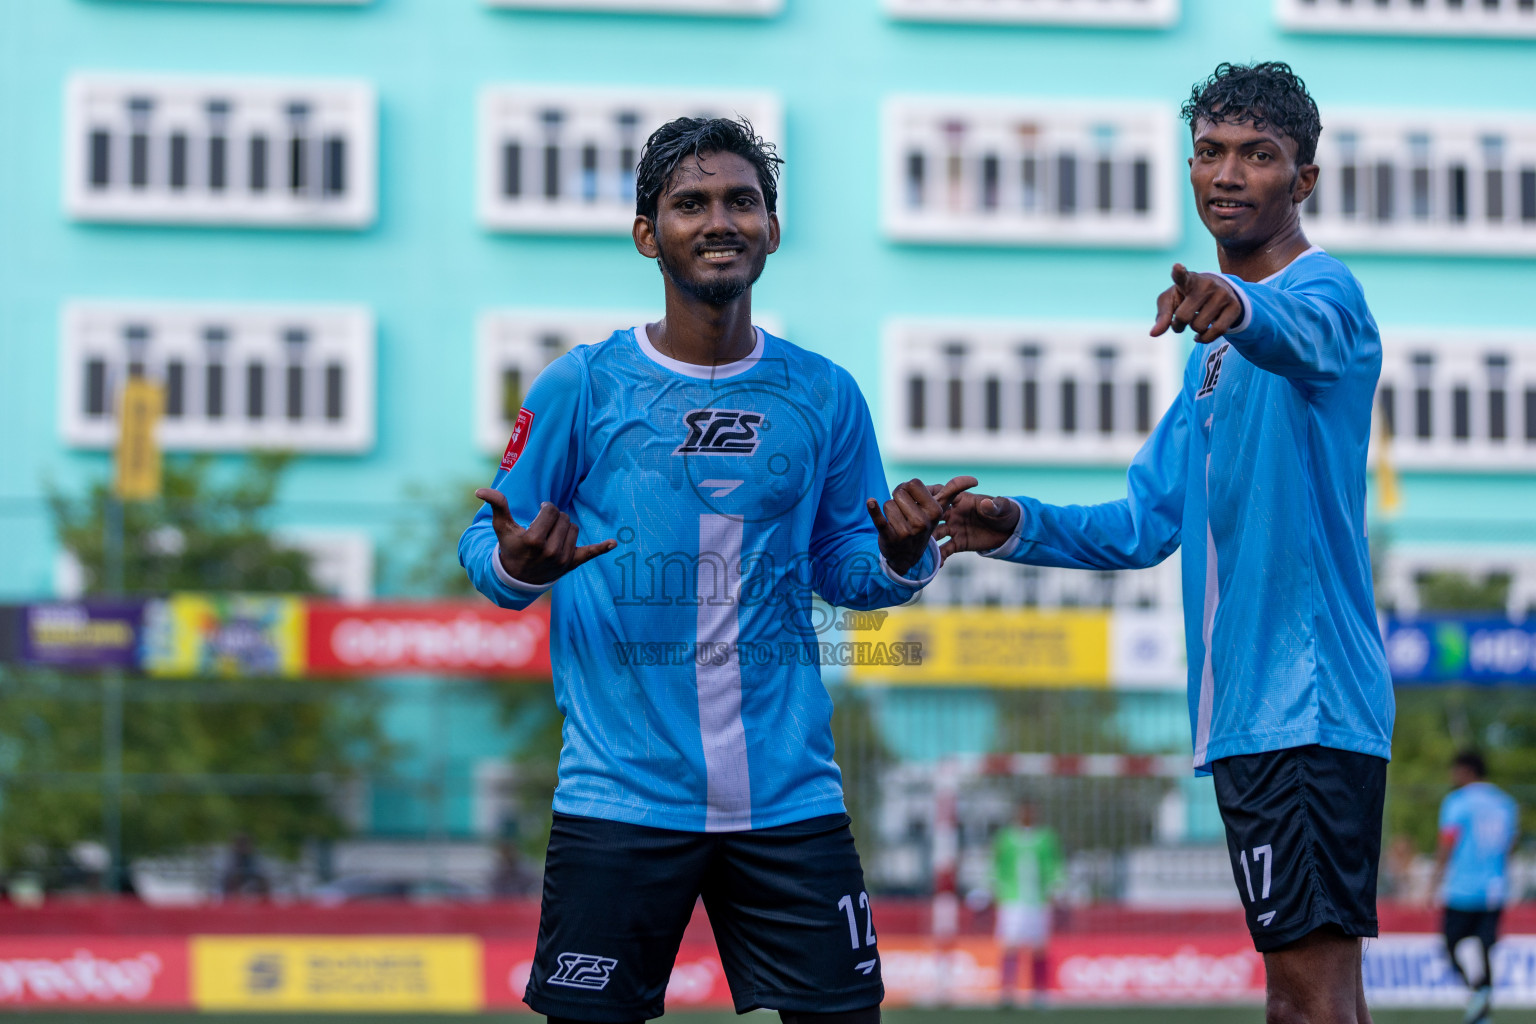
[[1026, 872], [1258, 470]]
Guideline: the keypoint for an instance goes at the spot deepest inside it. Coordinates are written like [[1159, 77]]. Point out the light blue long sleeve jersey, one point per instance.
[[686, 661], [1258, 469], [1484, 822]]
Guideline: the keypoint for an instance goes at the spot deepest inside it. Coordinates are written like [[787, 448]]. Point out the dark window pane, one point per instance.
[[178, 161], [1031, 406], [218, 169], [511, 394], [1458, 179], [1349, 190], [1106, 407], [138, 160], [1423, 421], [335, 165], [916, 413], [175, 388], [213, 392], [96, 387], [994, 404], [915, 179], [335, 395], [1461, 414], [1530, 414], [101, 159], [1528, 192], [1386, 399], [1384, 200], [989, 181], [512, 170], [1497, 414], [1069, 406], [1066, 184], [1493, 187], [1106, 185], [255, 391], [258, 175], [295, 393], [1141, 186], [956, 407], [298, 160], [589, 172], [1143, 407], [552, 172]]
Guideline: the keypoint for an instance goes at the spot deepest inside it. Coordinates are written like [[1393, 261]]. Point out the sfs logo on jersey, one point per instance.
[[1212, 370], [583, 970], [720, 432], [519, 439]]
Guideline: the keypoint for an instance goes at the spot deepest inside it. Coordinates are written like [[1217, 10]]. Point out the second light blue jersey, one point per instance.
[[1483, 821], [686, 660], [1258, 470]]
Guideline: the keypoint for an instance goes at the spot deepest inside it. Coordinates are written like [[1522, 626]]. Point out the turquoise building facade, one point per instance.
[[408, 156]]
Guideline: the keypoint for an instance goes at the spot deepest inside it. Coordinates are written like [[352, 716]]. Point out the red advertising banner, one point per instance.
[[443, 638], [698, 980], [94, 973], [1152, 968]]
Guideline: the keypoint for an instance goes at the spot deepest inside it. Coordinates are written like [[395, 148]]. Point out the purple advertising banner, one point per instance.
[[83, 634]]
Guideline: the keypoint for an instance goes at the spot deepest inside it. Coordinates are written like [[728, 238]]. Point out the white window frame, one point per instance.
[[200, 130], [505, 108], [1014, 352], [280, 339], [1142, 169], [1458, 361], [728, 8], [1399, 568], [1402, 17], [1417, 154], [1109, 13], [514, 339]]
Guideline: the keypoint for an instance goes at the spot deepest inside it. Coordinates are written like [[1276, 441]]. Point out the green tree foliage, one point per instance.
[[203, 760]]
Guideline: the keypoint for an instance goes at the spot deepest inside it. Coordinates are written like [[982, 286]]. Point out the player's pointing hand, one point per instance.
[[977, 522], [909, 519], [1206, 302], [545, 549]]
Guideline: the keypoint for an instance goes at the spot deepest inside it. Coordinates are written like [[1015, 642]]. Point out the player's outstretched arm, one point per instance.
[[977, 522], [545, 549], [909, 518], [1308, 333]]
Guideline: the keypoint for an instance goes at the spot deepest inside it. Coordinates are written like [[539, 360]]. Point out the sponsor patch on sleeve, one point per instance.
[[519, 439]]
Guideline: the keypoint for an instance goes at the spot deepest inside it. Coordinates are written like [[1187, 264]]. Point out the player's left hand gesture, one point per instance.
[[1205, 302], [909, 519]]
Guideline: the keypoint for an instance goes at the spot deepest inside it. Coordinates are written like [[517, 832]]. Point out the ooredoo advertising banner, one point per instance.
[[342, 973], [1186, 968], [94, 973], [1413, 970], [441, 638]]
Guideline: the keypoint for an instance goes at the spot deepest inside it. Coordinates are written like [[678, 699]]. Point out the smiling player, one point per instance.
[[1258, 470], [726, 475]]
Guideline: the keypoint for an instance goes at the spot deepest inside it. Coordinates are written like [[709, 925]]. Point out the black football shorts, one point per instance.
[[791, 918], [1304, 832]]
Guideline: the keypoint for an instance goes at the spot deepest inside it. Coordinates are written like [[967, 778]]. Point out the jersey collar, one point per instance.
[[742, 365]]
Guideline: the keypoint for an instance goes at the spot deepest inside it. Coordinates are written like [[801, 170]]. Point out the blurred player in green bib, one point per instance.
[[1026, 870]]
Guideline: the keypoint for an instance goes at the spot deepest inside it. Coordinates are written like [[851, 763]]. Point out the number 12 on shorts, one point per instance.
[[1265, 853], [846, 904]]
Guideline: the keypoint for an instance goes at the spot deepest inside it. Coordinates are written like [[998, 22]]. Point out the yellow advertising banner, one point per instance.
[[984, 647], [233, 635], [337, 973], [137, 458]]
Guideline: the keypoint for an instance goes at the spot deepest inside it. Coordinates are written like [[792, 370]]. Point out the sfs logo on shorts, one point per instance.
[[720, 432], [583, 970]]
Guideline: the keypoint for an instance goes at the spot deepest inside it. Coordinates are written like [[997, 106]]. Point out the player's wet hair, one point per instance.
[[1268, 93], [1473, 762], [696, 137]]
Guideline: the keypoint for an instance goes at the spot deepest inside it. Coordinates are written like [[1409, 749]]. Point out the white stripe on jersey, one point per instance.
[[728, 801], [1212, 598]]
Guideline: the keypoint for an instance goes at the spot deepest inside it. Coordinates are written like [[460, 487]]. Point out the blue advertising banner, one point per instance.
[[82, 634], [1461, 650]]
